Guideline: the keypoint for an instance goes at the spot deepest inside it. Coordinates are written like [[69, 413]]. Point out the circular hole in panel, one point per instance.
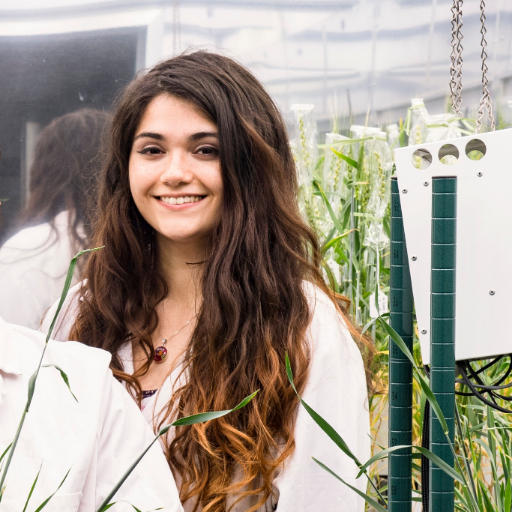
[[448, 154], [475, 149], [421, 158]]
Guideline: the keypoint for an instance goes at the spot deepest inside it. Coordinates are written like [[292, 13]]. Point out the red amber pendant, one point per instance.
[[160, 354]]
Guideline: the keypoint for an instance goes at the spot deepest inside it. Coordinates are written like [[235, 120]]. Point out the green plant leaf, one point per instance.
[[419, 375], [33, 378], [32, 488], [67, 284], [45, 502], [335, 240], [64, 377], [131, 505], [207, 416], [190, 420], [508, 496], [335, 220], [338, 440], [370, 501], [347, 159], [4, 452], [427, 453]]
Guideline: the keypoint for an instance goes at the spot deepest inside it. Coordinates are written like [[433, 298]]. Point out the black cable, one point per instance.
[[471, 379], [481, 397], [425, 443], [481, 384]]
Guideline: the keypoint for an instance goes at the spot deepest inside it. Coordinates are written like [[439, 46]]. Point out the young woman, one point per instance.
[[208, 277]]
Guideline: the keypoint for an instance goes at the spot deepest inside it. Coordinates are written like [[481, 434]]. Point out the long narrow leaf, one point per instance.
[[207, 416], [131, 505], [32, 488], [45, 502], [328, 429], [347, 159], [5, 451], [427, 453], [329, 207], [11, 454], [190, 420], [64, 377], [334, 240], [372, 502], [33, 378], [67, 284], [419, 375]]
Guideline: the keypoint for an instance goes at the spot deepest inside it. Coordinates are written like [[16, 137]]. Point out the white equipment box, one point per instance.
[[484, 236]]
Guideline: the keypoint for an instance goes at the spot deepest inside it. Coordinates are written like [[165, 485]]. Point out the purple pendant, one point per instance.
[[160, 354]]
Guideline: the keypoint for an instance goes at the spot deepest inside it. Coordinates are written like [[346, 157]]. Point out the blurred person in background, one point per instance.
[[54, 225]]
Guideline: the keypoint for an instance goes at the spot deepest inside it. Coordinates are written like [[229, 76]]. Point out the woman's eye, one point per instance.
[[208, 151], [151, 150]]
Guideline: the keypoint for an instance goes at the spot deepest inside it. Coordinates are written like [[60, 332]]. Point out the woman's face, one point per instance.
[[174, 170]]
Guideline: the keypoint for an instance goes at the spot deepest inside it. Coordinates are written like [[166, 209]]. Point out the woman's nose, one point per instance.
[[176, 170]]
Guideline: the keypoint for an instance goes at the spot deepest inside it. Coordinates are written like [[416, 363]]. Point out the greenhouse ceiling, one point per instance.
[[347, 57]]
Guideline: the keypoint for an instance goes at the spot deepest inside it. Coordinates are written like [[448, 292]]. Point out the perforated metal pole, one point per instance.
[[400, 369], [442, 335]]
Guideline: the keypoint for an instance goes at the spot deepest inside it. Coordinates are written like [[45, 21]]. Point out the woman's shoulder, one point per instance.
[[328, 332]]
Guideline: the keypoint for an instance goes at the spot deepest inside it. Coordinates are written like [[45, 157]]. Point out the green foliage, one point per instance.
[[342, 214]]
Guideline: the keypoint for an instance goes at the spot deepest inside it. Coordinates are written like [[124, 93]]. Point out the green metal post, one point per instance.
[[442, 335], [400, 369]]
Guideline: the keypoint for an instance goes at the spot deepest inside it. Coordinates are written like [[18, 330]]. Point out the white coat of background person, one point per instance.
[[97, 437], [54, 223]]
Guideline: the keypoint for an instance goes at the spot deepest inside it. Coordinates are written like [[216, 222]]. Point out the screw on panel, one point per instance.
[[425, 183], [423, 331], [480, 174], [404, 191], [491, 292], [414, 258]]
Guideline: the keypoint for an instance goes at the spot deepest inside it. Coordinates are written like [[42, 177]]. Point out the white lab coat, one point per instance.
[[33, 267], [96, 438], [336, 389]]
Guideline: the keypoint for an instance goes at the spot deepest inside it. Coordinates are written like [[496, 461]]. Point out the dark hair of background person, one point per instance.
[[254, 309], [64, 173]]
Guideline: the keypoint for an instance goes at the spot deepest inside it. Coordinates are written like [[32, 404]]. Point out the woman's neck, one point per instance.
[[181, 265]]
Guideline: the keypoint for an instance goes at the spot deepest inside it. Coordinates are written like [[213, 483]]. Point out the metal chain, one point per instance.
[[485, 101], [456, 57]]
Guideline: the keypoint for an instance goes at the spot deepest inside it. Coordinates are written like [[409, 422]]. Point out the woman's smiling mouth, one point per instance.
[[180, 200]]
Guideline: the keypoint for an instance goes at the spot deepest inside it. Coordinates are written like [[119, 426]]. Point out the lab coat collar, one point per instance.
[[9, 352]]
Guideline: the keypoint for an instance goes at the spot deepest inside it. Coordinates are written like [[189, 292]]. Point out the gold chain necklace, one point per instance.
[[160, 353]]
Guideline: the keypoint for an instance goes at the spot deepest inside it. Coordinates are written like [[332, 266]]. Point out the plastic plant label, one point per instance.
[[383, 304]]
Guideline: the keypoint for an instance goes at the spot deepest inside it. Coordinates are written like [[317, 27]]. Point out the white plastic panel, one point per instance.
[[484, 241]]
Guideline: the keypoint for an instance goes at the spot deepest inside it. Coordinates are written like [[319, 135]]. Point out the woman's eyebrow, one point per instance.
[[202, 135], [149, 135]]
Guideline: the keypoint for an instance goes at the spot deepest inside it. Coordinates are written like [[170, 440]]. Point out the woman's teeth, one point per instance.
[[181, 200]]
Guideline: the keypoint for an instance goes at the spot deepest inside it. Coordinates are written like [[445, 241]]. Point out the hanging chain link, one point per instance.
[[456, 57], [456, 66], [485, 101]]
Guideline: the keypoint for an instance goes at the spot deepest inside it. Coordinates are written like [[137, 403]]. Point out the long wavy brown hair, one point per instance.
[[253, 310], [67, 162]]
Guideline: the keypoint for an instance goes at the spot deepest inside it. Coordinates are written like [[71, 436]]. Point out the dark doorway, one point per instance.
[[44, 77]]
